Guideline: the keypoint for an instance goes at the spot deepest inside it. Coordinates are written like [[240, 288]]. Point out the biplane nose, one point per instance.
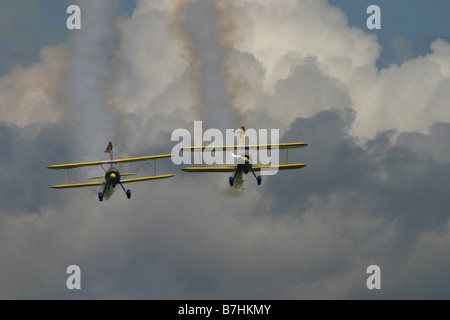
[[113, 176]]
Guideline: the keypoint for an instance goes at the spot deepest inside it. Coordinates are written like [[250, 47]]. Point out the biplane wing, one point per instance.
[[280, 167], [210, 169], [94, 163], [78, 185], [148, 178], [233, 168], [255, 146], [93, 184]]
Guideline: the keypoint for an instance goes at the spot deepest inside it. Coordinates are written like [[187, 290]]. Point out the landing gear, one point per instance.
[[231, 181], [100, 196], [258, 178], [127, 192]]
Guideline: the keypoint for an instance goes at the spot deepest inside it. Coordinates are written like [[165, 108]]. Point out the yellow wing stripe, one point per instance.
[[92, 184], [94, 163], [210, 169], [161, 156], [78, 185], [233, 168], [148, 178], [281, 166], [242, 147], [76, 165]]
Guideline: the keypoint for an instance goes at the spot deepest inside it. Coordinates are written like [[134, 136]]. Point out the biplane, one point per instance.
[[246, 165], [112, 176]]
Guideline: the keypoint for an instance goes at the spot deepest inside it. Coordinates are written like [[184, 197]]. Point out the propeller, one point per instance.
[[242, 157]]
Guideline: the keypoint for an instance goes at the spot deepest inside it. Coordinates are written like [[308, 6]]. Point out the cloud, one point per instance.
[[406, 97], [26, 27], [373, 192], [30, 94]]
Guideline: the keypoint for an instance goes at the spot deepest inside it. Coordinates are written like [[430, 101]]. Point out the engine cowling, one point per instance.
[[112, 176]]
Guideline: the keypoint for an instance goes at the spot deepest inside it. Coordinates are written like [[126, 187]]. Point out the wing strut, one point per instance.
[[200, 158]]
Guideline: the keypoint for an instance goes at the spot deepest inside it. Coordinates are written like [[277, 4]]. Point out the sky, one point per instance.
[[371, 104]]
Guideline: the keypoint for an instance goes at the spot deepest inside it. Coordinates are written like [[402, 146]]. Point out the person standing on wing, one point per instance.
[[241, 132]]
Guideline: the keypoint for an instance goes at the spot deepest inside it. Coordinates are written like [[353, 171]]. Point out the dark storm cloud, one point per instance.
[[327, 158], [396, 179]]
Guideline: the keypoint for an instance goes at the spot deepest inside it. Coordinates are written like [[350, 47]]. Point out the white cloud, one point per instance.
[[407, 97], [29, 95]]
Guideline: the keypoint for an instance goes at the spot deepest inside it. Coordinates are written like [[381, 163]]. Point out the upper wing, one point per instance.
[[148, 178], [78, 185], [280, 167], [210, 169], [93, 163], [257, 146], [140, 158], [76, 165]]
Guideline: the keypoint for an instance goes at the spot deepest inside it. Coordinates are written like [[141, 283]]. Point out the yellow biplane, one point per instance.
[[246, 165], [112, 175]]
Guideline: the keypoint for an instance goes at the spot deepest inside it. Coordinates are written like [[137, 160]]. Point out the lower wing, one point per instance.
[[78, 185], [280, 167], [210, 169], [148, 178], [255, 167], [93, 184]]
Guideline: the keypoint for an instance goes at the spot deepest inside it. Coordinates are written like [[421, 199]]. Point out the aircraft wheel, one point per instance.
[[128, 193], [100, 196], [259, 180], [231, 181]]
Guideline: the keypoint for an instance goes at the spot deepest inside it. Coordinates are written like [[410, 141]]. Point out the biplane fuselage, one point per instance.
[[112, 178], [246, 166]]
